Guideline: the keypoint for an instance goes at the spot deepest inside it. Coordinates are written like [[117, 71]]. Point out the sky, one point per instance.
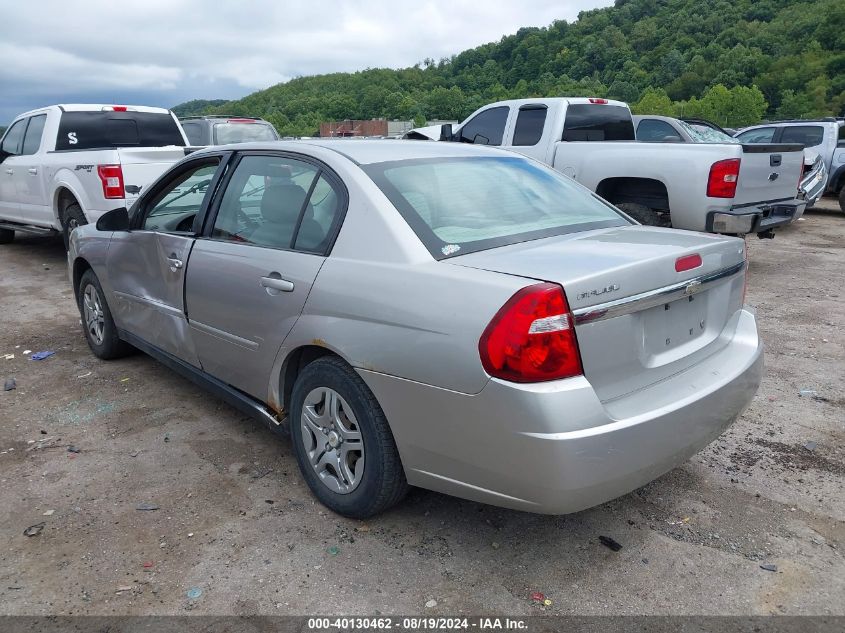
[[165, 52]]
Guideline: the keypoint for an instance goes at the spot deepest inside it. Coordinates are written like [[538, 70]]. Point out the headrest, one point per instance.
[[281, 203], [275, 170]]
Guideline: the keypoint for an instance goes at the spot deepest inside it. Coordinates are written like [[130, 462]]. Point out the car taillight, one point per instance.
[[724, 175], [111, 177], [532, 338], [687, 262]]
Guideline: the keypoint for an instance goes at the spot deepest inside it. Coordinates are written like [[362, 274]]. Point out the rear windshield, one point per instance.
[[106, 130], [225, 133], [598, 122], [462, 205]]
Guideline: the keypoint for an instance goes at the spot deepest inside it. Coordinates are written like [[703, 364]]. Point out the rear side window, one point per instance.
[[486, 128], [598, 122], [807, 135], [225, 133], [529, 125], [106, 130], [32, 140], [657, 131], [760, 135]]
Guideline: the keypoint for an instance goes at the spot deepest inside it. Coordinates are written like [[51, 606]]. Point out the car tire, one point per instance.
[[7, 236], [343, 489], [643, 214], [71, 218], [842, 199], [97, 323]]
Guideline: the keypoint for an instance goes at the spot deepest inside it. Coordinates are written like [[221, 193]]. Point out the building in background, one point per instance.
[[355, 128]]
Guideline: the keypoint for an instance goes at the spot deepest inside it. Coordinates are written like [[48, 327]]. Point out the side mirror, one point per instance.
[[446, 132], [114, 220]]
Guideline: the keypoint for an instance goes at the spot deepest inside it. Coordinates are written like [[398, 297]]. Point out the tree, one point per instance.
[[654, 101]]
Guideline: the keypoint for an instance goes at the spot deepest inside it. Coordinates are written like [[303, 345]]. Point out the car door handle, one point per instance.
[[275, 282], [175, 262], [33, 171]]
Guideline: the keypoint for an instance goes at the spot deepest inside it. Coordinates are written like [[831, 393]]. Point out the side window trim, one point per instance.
[[323, 171], [146, 202]]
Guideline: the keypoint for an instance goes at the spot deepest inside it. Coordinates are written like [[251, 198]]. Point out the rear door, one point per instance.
[[147, 264], [250, 274]]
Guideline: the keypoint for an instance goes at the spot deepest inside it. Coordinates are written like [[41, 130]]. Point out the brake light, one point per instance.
[[531, 339], [115, 109], [111, 177], [240, 121], [687, 262], [724, 175], [595, 100]]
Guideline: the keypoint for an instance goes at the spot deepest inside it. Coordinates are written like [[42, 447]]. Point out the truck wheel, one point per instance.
[[72, 218], [97, 323], [6, 236], [342, 441], [644, 214], [842, 199]]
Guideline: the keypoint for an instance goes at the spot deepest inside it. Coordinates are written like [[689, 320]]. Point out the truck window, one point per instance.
[[657, 131], [807, 135], [760, 135], [12, 140], [529, 125], [107, 130], [598, 122], [486, 128], [34, 131], [194, 133]]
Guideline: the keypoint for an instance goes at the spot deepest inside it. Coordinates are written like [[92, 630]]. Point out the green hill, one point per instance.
[[196, 106], [733, 61]]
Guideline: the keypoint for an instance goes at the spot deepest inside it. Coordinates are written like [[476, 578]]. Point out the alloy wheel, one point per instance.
[[93, 314]]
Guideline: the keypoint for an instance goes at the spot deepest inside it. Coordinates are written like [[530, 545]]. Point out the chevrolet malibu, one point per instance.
[[431, 314]]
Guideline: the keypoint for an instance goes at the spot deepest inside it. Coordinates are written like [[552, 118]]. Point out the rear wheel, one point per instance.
[[644, 215], [97, 323], [342, 441], [6, 236], [72, 218], [842, 199]]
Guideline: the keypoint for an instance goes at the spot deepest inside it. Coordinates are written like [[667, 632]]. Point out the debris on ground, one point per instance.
[[430, 604], [808, 393], [769, 567], [363, 528], [9, 356], [10, 384], [148, 564], [810, 446], [146, 507], [538, 596], [193, 593], [609, 542], [334, 550], [123, 588], [42, 355], [34, 530], [73, 449], [48, 513], [134, 454], [85, 375]]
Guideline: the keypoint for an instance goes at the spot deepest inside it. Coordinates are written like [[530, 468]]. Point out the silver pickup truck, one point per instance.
[[722, 188]]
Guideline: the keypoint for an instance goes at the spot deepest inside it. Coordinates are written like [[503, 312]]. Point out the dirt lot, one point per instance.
[[235, 521]]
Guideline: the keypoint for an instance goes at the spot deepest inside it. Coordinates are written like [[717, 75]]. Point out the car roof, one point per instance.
[[365, 152], [659, 117]]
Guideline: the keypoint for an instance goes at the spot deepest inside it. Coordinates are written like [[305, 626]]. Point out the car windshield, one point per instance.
[[462, 205], [229, 132], [704, 134]]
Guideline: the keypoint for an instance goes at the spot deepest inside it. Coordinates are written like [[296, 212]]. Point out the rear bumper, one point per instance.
[[554, 448], [755, 219]]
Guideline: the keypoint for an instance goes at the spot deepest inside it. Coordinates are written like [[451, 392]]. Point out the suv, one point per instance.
[[223, 130], [824, 136], [65, 165]]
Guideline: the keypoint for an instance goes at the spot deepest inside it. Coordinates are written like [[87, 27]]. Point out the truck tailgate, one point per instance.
[[768, 173], [142, 165]]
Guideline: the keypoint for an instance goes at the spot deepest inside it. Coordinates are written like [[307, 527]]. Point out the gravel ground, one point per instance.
[[237, 532]]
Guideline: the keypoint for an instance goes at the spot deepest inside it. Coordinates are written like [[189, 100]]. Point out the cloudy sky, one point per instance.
[[164, 52]]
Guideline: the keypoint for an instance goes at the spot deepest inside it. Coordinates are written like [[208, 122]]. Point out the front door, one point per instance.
[[29, 176], [13, 140], [147, 264], [249, 277]]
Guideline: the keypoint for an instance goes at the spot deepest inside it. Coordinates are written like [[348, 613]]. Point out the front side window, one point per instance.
[[760, 135], [174, 208], [529, 125], [657, 131], [278, 202], [486, 128], [461, 205], [34, 131], [807, 135], [13, 138]]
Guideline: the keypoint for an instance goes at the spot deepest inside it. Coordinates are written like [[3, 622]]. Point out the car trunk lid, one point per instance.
[[638, 319]]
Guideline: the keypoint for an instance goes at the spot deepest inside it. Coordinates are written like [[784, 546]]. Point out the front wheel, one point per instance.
[[7, 236], [342, 441], [97, 323]]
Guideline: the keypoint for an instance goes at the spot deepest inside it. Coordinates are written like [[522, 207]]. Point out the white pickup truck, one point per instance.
[[718, 187], [65, 165]]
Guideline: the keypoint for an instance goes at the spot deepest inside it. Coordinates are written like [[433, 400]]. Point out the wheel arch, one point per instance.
[[650, 192], [80, 267], [295, 361], [64, 196]]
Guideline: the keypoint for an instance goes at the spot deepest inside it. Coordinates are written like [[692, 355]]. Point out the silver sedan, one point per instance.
[[432, 314]]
